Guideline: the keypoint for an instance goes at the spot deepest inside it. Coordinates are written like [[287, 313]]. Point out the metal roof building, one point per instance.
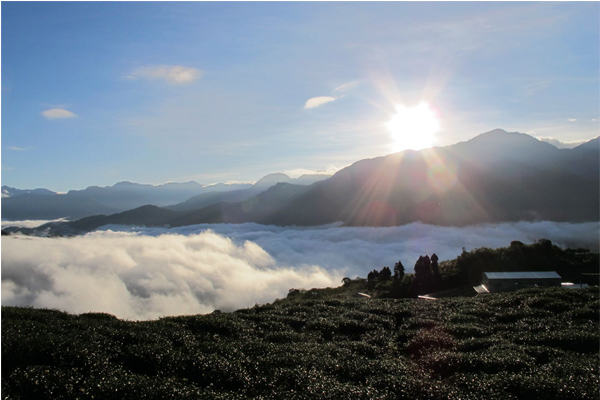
[[509, 281]]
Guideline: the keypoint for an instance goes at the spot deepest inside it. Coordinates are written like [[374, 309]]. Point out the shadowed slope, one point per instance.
[[497, 176]]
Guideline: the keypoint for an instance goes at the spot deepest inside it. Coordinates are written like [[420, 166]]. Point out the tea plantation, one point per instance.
[[531, 344]]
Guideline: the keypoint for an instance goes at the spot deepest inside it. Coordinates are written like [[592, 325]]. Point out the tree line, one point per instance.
[[430, 275]]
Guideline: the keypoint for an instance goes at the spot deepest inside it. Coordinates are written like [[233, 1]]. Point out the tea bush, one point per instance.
[[534, 343]]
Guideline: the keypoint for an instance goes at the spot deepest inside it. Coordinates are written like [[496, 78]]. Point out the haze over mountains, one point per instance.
[[94, 200], [495, 177]]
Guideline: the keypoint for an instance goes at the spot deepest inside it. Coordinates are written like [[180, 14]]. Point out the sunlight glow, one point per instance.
[[413, 128]]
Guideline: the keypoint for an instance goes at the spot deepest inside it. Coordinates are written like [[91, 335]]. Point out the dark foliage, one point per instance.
[[571, 265], [535, 343], [399, 271]]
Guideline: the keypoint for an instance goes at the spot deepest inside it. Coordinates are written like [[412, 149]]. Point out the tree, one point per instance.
[[426, 266], [346, 281], [435, 269], [422, 268], [385, 273], [399, 271], [372, 277], [436, 280], [423, 282]]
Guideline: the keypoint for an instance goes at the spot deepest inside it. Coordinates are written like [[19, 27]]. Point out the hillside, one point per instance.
[[530, 344]]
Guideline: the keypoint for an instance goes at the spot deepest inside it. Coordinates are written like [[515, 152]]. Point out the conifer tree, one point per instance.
[[399, 271]]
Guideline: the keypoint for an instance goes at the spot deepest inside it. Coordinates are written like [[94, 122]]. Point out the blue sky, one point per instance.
[[100, 92]]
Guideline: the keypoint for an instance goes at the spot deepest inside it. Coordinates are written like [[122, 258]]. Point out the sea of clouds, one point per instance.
[[146, 273]]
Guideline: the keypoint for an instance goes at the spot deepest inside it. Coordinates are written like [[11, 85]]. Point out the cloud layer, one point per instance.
[[172, 74], [357, 250], [143, 277], [58, 113], [28, 223], [144, 273]]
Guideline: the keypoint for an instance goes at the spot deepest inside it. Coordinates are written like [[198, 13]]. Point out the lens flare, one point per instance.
[[413, 128]]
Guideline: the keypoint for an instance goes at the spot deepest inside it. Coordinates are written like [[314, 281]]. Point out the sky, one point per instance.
[[94, 93]]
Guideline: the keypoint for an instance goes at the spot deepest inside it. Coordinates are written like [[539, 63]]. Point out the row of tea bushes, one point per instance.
[[536, 343]]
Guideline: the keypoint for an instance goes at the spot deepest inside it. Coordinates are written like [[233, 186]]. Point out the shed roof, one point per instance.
[[523, 275]]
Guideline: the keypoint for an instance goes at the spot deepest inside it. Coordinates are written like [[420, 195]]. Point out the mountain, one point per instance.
[[258, 209], [43, 207], [309, 179], [129, 195], [146, 215], [272, 179], [125, 196], [237, 196], [101, 200], [207, 199], [496, 177], [8, 191]]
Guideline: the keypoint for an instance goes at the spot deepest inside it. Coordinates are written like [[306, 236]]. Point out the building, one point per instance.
[[508, 281]]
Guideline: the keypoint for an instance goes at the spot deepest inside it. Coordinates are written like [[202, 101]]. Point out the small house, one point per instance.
[[509, 281]]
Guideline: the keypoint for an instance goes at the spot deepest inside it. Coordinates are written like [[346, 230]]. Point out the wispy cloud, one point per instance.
[[318, 101], [315, 102], [534, 87], [16, 148], [346, 86], [571, 119], [5, 168], [58, 113], [172, 74]]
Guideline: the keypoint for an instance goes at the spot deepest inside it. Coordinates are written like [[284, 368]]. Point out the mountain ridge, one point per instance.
[[126, 195], [495, 177]]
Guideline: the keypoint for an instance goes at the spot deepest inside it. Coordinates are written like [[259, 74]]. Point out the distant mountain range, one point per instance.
[[18, 204], [495, 177], [8, 191], [236, 196]]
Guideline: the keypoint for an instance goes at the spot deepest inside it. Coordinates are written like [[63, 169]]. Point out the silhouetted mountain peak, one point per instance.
[[497, 131], [500, 135], [500, 146]]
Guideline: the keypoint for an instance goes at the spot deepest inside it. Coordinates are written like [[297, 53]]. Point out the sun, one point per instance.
[[413, 128]]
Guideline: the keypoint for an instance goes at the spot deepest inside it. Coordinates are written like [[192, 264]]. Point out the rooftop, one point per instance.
[[523, 275]]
